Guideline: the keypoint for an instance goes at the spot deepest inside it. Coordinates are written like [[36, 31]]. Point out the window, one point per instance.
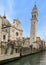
[[34, 22], [33, 16], [16, 33], [4, 37]]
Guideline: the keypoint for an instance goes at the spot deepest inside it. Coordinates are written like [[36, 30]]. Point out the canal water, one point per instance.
[[35, 59]]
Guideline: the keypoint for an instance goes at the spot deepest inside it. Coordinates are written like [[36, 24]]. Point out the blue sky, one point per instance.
[[21, 9]]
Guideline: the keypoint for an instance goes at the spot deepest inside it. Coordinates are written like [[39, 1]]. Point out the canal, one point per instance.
[[35, 59]]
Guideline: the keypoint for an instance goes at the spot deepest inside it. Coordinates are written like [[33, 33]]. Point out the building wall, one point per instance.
[[6, 36], [33, 31], [7, 29], [10, 31], [0, 28], [13, 32]]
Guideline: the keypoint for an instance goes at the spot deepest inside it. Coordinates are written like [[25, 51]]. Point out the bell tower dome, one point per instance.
[[35, 12]]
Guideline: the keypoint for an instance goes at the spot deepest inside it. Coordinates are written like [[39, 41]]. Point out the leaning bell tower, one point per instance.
[[34, 21]]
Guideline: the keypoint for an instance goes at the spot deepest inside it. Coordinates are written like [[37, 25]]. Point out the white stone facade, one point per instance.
[[8, 30]]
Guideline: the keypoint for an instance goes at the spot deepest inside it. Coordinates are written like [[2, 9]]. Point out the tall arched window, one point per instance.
[[4, 37], [17, 33]]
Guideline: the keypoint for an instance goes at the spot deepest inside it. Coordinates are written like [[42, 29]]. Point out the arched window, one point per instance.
[[34, 16], [17, 34], [4, 37]]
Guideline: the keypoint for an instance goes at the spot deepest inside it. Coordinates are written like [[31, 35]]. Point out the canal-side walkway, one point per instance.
[[23, 52], [9, 57], [6, 57]]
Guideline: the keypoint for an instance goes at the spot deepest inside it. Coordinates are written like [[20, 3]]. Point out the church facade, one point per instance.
[[9, 31]]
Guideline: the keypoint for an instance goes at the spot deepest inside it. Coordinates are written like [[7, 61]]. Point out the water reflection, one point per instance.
[[37, 59]]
